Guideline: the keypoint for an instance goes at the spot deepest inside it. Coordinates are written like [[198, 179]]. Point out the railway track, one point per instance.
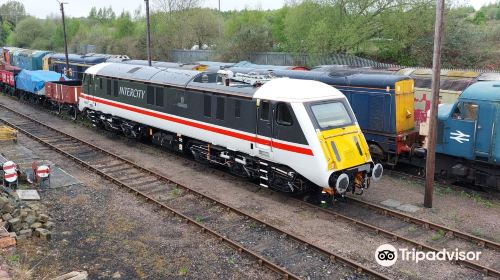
[[366, 220], [389, 213], [283, 252]]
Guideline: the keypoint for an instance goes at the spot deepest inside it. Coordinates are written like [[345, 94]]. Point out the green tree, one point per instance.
[[27, 31], [246, 32], [479, 18], [12, 11], [204, 26], [124, 26], [277, 21], [5, 32], [93, 13]]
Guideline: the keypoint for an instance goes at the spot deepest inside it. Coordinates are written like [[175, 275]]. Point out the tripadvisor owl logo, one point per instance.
[[386, 255]]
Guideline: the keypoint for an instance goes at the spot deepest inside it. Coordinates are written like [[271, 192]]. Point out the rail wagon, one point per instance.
[[64, 96], [383, 105], [30, 85], [274, 134], [7, 78]]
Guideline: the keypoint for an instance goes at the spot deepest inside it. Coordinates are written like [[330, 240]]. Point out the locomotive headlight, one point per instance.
[[331, 166]]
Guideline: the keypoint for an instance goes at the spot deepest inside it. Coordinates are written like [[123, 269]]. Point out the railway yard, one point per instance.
[[134, 212], [318, 158]]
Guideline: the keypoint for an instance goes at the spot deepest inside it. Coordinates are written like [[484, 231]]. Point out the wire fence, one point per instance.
[[280, 58]]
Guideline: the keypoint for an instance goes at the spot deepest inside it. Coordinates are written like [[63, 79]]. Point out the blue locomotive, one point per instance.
[[468, 139]]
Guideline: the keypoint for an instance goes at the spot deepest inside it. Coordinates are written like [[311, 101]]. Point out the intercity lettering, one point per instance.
[[131, 92]]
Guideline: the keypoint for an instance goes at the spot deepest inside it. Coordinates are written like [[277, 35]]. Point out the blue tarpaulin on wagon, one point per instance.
[[34, 81]]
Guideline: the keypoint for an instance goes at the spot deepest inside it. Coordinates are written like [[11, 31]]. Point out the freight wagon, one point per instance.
[[30, 85], [7, 78], [64, 96]]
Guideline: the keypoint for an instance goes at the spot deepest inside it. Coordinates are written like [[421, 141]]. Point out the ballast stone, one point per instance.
[[43, 233], [15, 224], [26, 232], [7, 217]]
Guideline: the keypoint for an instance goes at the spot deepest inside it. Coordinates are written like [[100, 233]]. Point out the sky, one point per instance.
[[79, 8]]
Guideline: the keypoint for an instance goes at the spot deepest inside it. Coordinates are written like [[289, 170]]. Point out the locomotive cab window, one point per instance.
[[86, 83], [331, 114], [283, 115], [264, 111], [465, 111]]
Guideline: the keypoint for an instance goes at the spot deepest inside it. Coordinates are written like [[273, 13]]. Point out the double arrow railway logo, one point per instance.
[[459, 136]]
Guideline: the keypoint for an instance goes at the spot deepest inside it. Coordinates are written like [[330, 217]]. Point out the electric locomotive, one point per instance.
[[290, 135], [383, 104]]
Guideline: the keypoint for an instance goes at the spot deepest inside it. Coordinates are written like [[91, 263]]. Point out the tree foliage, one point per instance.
[[12, 12], [394, 31]]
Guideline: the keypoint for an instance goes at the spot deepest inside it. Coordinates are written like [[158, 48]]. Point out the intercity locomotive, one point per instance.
[[288, 134]]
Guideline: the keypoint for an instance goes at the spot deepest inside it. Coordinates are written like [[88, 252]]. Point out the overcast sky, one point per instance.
[[78, 8]]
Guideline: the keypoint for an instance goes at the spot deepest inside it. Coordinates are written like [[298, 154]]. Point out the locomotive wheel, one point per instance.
[[73, 113], [377, 153]]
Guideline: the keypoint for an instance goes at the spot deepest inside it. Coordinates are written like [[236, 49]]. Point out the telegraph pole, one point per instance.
[[436, 82], [149, 32], [220, 28], [66, 72]]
